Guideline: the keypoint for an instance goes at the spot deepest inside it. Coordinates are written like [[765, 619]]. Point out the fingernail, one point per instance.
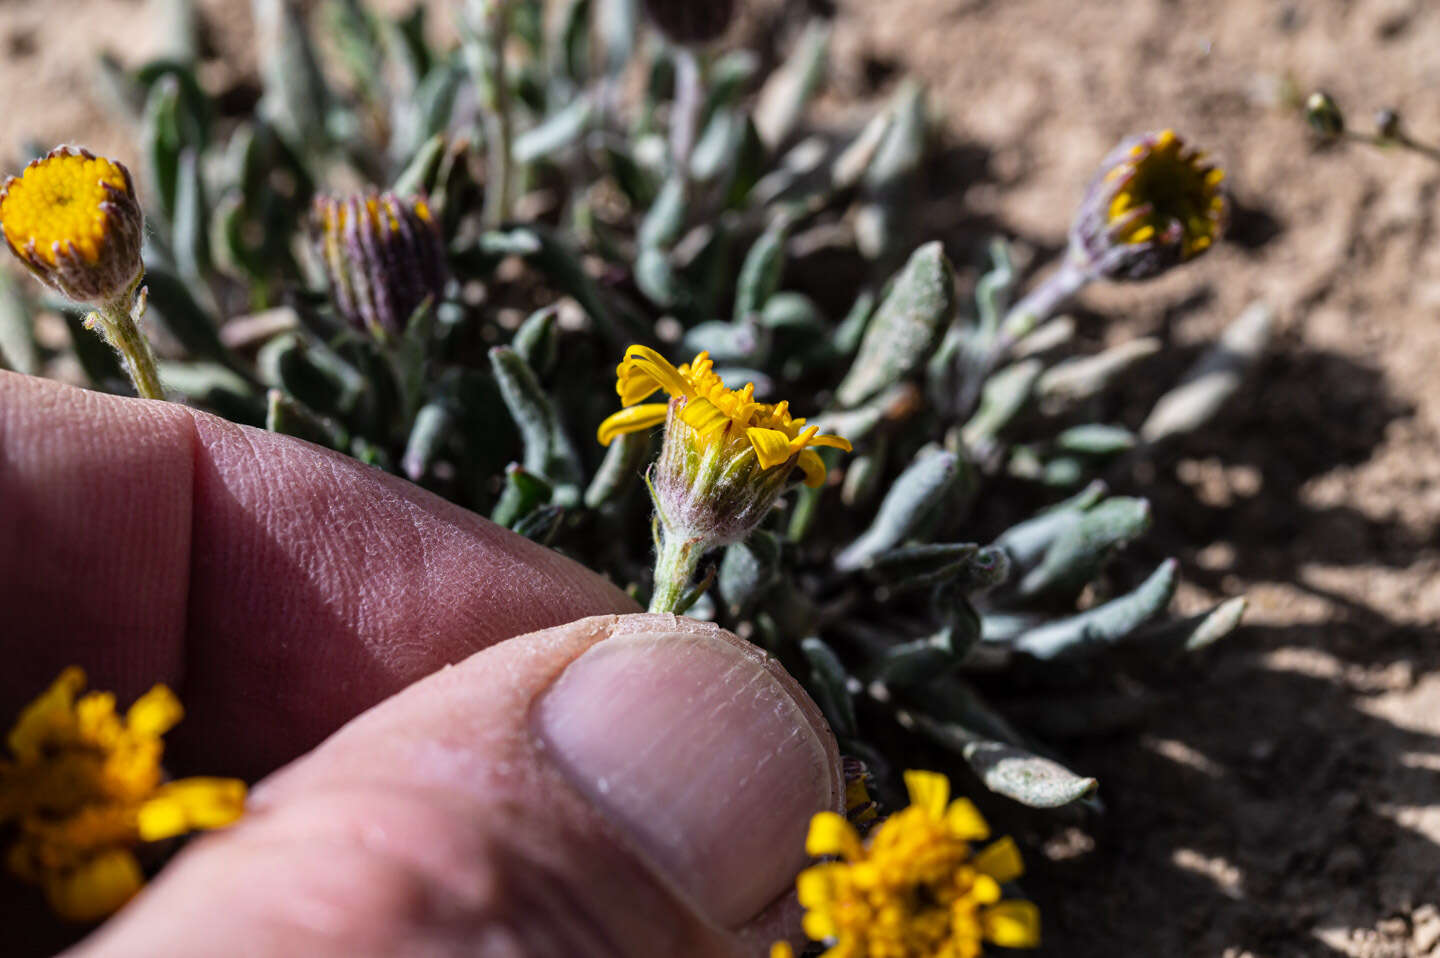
[[704, 752]]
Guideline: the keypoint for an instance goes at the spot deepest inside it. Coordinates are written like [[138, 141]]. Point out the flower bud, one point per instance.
[[691, 22], [1154, 204], [1387, 124], [1324, 116], [383, 257], [73, 219]]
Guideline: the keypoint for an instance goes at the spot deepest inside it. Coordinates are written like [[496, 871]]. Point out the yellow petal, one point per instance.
[[963, 820], [633, 419], [928, 790], [782, 949], [154, 713], [772, 447], [634, 385], [656, 368], [834, 442], [96, 889], [1013, 924], [189, 804], [1001, 860], [831, 834], [703, 416], [815, 886], [813, 467], [819, 925]]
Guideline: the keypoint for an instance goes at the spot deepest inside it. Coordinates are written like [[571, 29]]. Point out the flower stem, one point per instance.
[[119, 323], [1043, 301], [675, 565]]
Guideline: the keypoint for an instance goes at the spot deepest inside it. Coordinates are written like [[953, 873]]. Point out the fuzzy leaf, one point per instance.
[[900, 335]]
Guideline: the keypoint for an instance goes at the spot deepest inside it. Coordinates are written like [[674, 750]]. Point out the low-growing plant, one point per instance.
[[432, 258]]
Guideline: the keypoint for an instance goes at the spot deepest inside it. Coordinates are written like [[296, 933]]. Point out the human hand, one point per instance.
[[599, 787]]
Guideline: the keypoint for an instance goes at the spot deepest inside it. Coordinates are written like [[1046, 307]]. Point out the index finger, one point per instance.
[[281, 588]]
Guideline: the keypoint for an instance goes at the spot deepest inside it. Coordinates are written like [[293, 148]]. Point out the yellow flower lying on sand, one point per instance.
[[914, 887], [83, 786], [716, 413]]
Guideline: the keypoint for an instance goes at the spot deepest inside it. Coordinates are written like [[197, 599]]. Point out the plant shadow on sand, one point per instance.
[[1264, 785]]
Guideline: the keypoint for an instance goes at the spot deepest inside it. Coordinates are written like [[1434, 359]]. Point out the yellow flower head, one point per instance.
[[1155, 203], [715, 413], [914, 887], [84, 786], [73, 219]]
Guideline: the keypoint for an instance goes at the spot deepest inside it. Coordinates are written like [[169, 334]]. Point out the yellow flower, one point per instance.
[[716, 413], [1165, 192], [914, 887], [73, 219], [84, 786]]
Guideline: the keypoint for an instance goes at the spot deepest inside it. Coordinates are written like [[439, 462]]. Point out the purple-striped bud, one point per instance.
[[384, 257], [1154, 204], [691, 22]]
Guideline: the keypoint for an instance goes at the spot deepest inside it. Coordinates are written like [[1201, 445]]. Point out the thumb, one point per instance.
[[621, 785]]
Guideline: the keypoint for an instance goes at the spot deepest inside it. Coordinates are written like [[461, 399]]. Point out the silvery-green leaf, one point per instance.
[[17, 330], [541, 524], [665, 220], [907, 509], [559, 131], [1213, 379], [286, 416], [1097, 628], [427, 437], [1195, 632], [620, 469], [190, 237], [296, 97], [1079, 551], [614, 23], [729, 78], [905, 327], [748, 569], [1005, 393], [548, 450], [1096, 439], [760, 273], [1080, 378], [889, 180], [537, 340], [829, 684], [523, 493], [729, 343], [786, 94], [720, 142], [1030, 779], [1027, 542]]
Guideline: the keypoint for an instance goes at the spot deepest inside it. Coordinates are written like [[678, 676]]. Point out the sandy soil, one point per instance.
[[1285, 801]]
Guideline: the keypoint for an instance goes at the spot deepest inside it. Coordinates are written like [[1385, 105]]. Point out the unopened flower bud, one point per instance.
[[383, 256], [691, 22], [1324, 116], [1387, 124], [73, 219], [1155, 203]]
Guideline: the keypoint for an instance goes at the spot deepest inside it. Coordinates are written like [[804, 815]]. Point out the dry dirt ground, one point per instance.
[[1286, 799]]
